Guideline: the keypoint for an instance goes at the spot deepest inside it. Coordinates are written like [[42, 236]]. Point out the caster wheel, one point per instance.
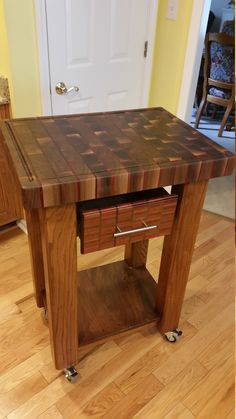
[[173, 336], [71, 374]]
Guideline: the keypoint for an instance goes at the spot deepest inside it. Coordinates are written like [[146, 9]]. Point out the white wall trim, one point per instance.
[[152, 23], [197, 31], [43, 58], [43, 54]]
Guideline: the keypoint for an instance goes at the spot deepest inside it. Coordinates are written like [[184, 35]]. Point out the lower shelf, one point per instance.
[[112, 299]]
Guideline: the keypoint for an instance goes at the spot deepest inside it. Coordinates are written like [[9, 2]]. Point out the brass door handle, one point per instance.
[[61, 88]]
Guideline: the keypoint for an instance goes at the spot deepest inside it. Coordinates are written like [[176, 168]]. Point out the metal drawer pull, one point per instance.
[[136, 230]]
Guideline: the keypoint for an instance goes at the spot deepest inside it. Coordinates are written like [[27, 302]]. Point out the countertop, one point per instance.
[[59, 160]]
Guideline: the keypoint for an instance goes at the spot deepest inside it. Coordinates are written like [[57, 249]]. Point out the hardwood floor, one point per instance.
[[139, 375]]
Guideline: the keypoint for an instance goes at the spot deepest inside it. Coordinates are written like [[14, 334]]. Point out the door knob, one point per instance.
[[61, 88]]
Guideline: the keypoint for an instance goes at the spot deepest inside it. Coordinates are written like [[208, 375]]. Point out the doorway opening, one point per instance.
[[220, 20], [220, 194]]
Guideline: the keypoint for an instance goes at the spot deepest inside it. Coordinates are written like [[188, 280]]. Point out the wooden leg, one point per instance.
[[36, 253], [177, 254], [136, 253], [225, 119], [199, 112], [214, 112], [206, 109], [60, 265]]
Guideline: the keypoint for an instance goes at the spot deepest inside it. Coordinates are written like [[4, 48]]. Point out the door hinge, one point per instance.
[[145, 49]]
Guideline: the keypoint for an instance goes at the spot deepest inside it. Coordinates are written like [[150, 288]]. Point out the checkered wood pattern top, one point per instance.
[[79, 157]]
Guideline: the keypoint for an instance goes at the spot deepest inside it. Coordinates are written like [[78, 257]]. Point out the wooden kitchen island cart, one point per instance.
[[100, 177]]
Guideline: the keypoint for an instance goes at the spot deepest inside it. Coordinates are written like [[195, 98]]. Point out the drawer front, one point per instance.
[[126, 223]]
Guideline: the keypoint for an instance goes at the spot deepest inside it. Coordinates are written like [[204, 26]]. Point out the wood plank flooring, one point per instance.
[[139, 375]]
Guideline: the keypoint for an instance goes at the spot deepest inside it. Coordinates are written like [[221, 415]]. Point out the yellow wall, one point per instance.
[[19, 47], [4, 56], [169, 55], [22, 67]]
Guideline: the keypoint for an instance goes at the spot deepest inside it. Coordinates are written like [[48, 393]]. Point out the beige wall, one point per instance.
[[20, 62]]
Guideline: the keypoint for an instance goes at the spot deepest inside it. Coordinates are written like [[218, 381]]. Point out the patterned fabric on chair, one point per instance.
[[222, 62], [223, 94], [229, 27], [218, 85]]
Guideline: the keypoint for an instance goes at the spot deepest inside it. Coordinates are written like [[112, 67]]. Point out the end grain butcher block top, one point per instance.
[[66, 159]]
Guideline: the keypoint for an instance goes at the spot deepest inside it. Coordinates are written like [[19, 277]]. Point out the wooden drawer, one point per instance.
[[125, 219]]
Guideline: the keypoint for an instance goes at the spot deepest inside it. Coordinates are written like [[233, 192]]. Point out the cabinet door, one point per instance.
[[10, 201]]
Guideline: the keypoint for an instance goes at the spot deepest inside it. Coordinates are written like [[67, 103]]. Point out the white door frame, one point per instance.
[[43, 54], [197, 32]]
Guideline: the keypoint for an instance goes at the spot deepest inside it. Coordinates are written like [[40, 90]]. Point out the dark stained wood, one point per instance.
[[74, 158], [60, 266], [67, 163], [136, 253], [11, 208], [36, 252], [114, 298], [98, 226], [177, 254]]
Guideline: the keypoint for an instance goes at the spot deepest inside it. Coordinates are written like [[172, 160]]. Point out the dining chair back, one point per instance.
[[218, 86]]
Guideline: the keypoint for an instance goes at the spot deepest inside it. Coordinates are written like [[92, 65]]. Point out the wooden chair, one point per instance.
[[218, 87]]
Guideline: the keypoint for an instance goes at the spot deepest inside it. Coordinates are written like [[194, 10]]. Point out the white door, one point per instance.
[[98, 46]]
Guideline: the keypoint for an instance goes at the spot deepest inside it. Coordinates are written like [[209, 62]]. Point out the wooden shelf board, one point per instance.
[[114, 298]]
